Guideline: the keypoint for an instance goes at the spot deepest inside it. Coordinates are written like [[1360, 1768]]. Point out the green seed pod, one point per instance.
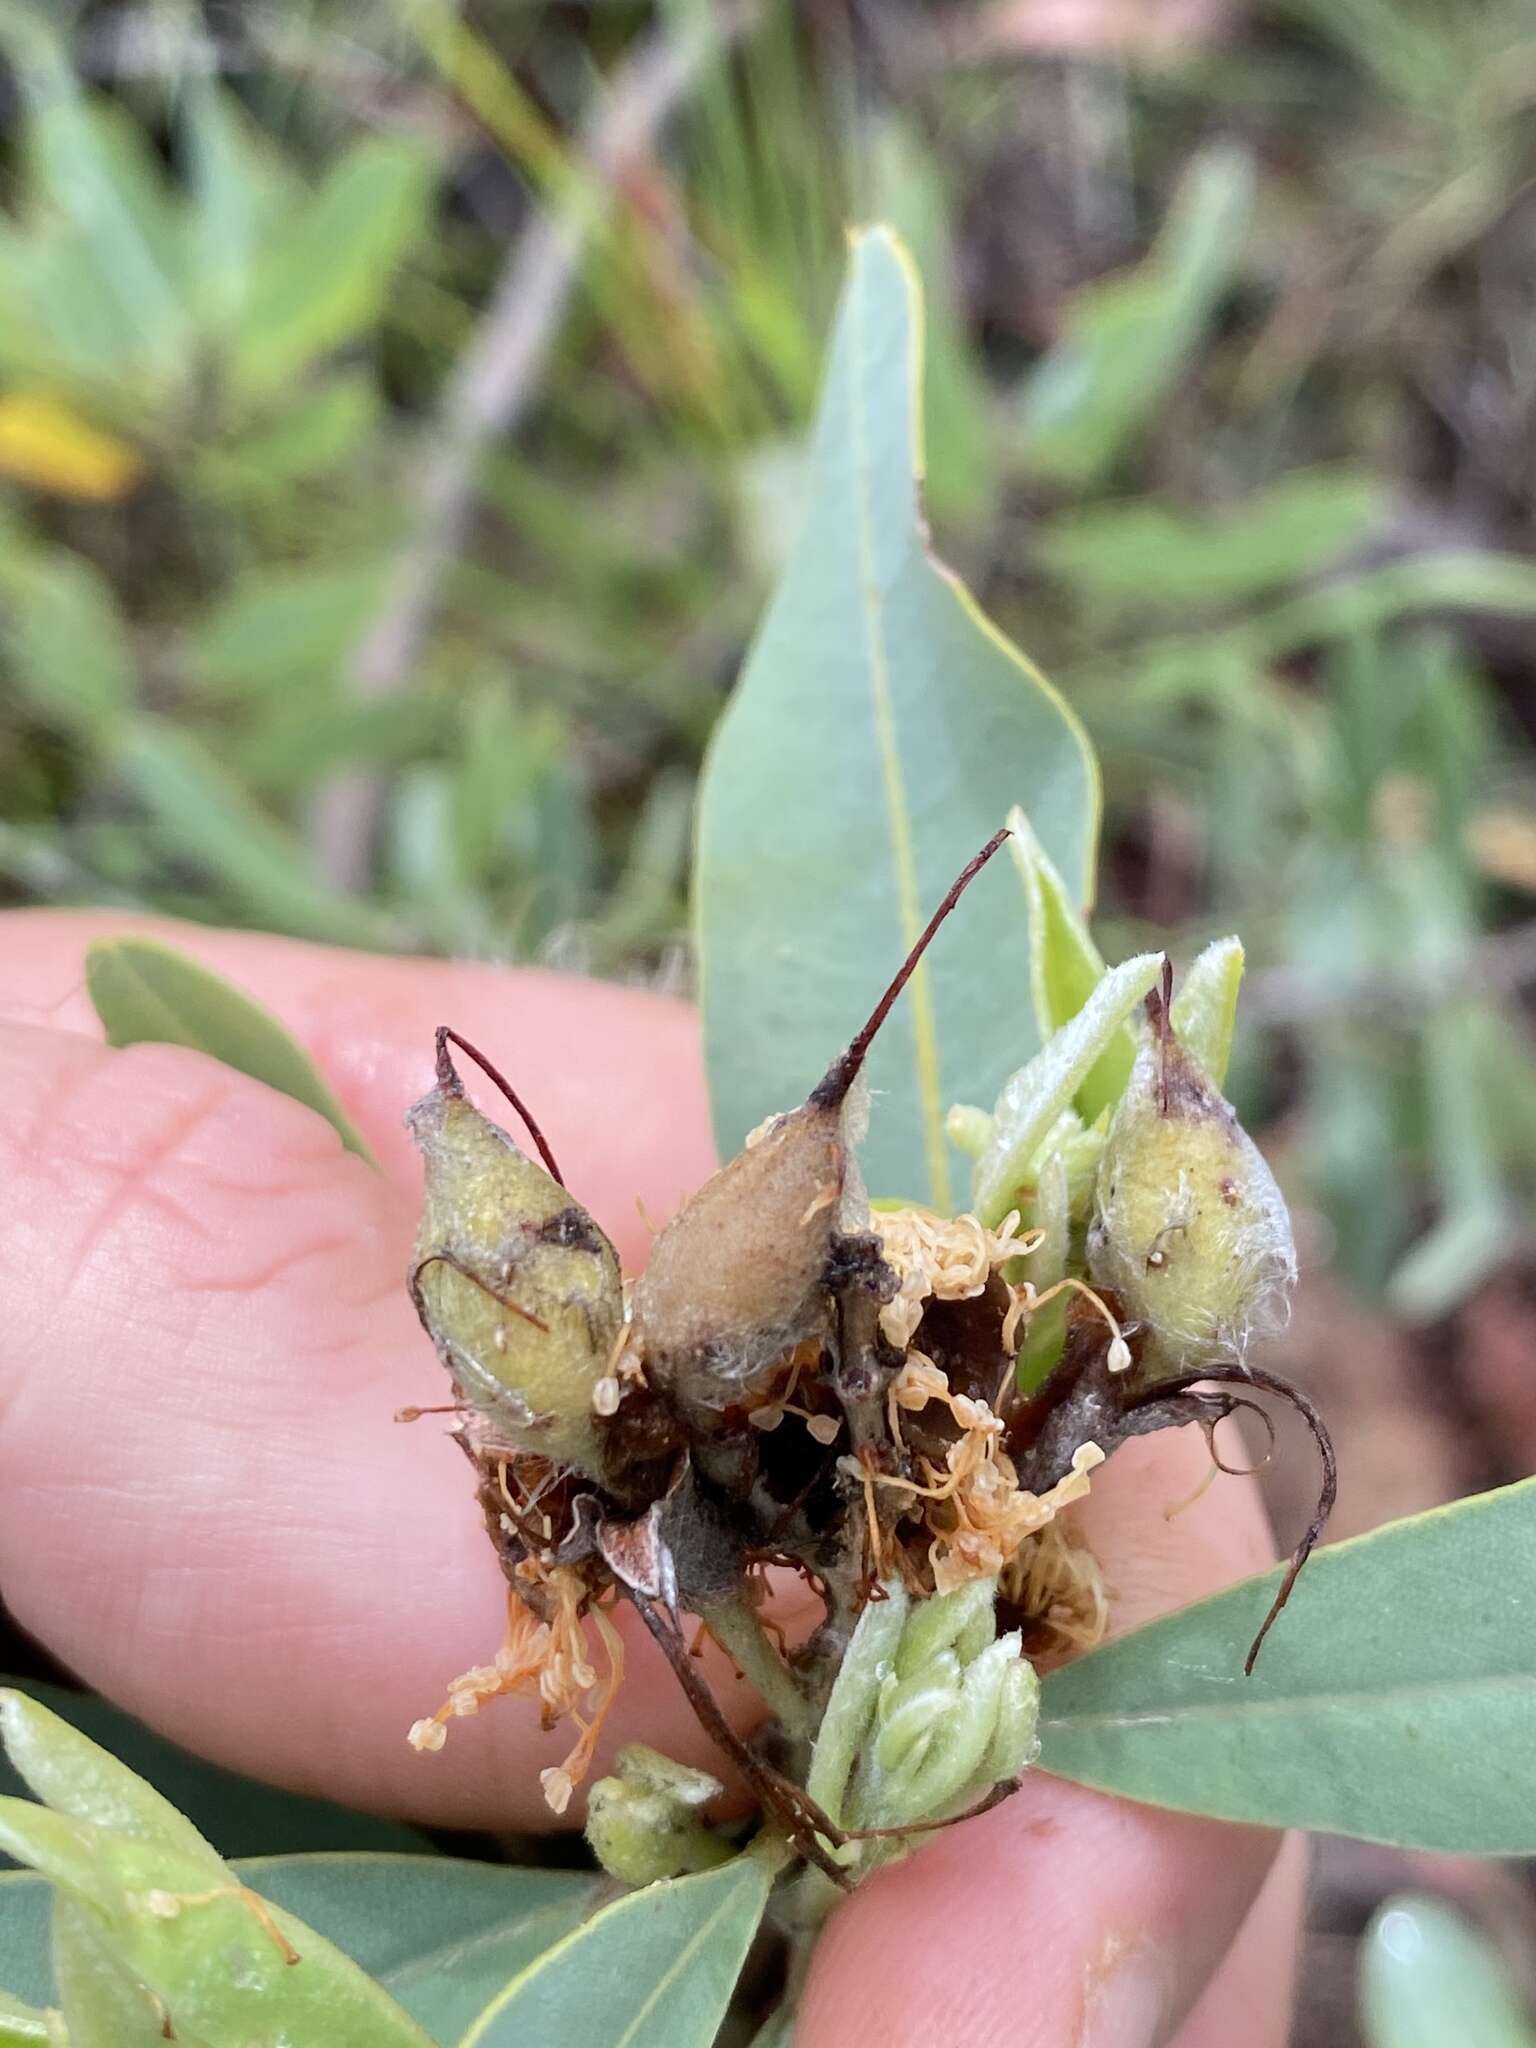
[[516, 1285], [1190, 1230]]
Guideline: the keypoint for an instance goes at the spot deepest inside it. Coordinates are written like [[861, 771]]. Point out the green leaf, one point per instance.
[[67, 645], [284, 626], [1147, 554], [1427, 1979], [880, 732], [1205, 1007], [198, 813], [321, 283], [237, 188], [1125, 338], [1476, 1229], [654, 1970], [21, 2024], [1393, 1699], [1065, 967], [319, 431], [104, 2004], [80, 1779], [244, 1817], [443, 1937], [221, 1964], [1358, 607], [146, 992], [94, 167], [1036, 1096]]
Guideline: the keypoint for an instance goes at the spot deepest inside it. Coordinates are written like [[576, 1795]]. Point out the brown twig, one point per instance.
[[789, 1804]]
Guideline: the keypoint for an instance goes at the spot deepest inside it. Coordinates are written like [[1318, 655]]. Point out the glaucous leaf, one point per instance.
[[1037, 1095], [654, 1970], [25, 1904], [879, 734], [1428, 1978], [1393, 1699], [146, 992]]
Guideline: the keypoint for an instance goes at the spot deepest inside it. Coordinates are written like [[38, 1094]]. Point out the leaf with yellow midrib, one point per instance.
[[881, 731]]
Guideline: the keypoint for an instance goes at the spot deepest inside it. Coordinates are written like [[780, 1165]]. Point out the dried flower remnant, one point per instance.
[[550, 1660]]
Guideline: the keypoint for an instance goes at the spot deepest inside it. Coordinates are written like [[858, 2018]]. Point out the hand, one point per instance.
[[208, 1511]]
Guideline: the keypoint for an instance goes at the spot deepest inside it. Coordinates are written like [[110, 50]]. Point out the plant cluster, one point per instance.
[[800, 1380], [895, 1397]]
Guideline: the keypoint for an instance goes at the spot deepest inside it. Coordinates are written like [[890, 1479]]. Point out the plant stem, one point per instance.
[[735, 1626]]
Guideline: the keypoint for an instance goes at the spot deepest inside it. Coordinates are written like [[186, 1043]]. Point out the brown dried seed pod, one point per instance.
[[739, 1276], [516, 1285]]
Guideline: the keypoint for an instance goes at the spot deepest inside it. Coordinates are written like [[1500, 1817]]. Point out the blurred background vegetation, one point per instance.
[[400, 407]]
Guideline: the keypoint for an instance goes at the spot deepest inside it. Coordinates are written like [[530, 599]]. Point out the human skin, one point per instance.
[[208, 1511]]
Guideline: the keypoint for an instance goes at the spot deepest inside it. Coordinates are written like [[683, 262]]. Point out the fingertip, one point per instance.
[[1059, 1913], [614, 1075]]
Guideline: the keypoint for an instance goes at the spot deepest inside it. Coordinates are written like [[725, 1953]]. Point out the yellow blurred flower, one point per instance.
[[47, 446]]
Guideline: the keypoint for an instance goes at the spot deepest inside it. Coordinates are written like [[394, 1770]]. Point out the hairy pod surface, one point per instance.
[[738, 1277], [517, 1286], [1190, 1230]]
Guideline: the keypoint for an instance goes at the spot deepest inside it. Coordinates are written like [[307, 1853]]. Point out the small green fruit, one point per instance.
[[1190, 1230], [516, 1285]]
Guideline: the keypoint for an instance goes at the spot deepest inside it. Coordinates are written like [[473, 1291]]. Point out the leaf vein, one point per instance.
[[919, 990]]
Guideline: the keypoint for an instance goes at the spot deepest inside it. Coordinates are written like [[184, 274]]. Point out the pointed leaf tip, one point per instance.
[[147, 992], [881, 728]]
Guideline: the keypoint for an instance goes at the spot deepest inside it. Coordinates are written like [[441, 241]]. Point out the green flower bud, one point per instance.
[[516, 1285], [1015, 1739], [643, 1824], [1190, 1231]]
